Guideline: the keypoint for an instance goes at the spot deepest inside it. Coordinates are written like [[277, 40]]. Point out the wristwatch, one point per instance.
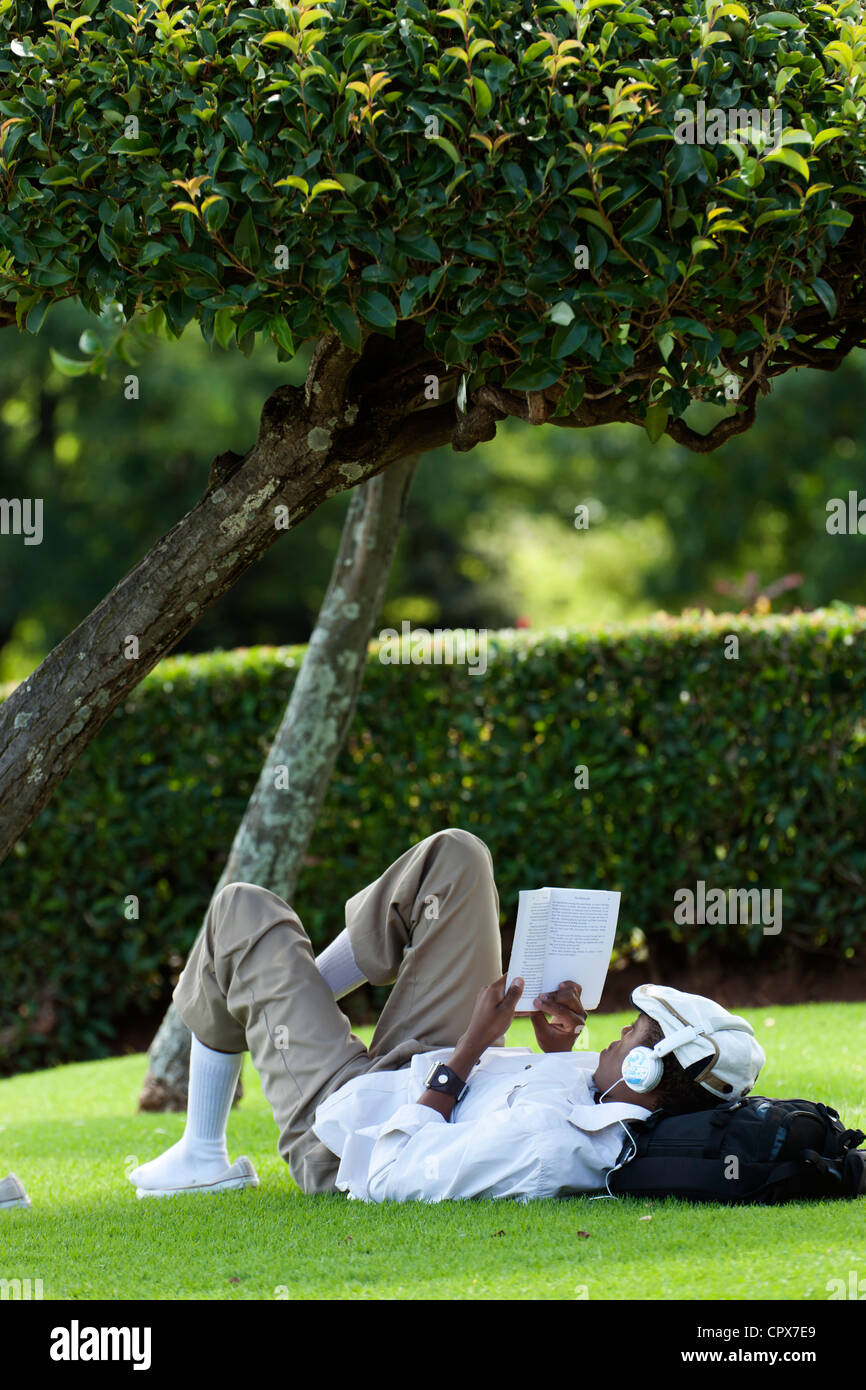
[[441, 1078]]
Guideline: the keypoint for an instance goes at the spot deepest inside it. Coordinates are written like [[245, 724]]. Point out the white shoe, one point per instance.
[[240, 1174], [12, 1193]]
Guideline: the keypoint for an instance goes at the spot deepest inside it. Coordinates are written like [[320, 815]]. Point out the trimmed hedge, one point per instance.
[[745, 772]]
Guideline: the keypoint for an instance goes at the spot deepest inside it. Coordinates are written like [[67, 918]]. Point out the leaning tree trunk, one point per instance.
[[272, 838], [355, 416]]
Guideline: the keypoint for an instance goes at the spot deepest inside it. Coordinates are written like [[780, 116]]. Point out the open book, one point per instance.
[[562, 934]]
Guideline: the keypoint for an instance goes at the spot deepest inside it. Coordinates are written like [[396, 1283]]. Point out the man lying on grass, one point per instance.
[[437, 1107]]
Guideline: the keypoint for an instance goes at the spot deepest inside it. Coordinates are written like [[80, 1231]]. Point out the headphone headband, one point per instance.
[[690, 1033]]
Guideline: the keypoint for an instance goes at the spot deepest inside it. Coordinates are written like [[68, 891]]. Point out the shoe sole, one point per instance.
[[224, 1185]]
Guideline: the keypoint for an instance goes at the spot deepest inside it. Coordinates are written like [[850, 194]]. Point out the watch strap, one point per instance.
[[443, 1078]]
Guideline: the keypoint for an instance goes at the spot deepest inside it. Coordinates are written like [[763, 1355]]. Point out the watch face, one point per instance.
[[442, 1078]]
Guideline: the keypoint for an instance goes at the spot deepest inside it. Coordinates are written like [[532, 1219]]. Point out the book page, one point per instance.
[[563, 934], [530, 942], [580, 939]]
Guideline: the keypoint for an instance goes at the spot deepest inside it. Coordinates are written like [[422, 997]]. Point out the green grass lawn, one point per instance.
[[70, 1134]]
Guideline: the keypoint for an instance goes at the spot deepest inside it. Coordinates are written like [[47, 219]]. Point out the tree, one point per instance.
[[275, 831], [602, 213]]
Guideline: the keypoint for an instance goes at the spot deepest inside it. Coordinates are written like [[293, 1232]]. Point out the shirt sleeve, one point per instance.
[[525, 1150]]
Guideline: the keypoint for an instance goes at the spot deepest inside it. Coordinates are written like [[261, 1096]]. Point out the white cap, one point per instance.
[[732, 1055]]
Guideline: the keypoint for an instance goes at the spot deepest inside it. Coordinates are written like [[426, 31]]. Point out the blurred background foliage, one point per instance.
[[746, 773], [490, 541]]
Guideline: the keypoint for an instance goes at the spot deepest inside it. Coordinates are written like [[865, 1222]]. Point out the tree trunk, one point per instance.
[[272, 838], [354, 417]]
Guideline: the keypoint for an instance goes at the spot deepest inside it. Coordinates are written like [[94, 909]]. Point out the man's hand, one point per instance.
[[567, 1017], [492, 1015]]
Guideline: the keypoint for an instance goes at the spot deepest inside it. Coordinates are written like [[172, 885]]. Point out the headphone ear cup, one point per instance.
[[642, 1070]]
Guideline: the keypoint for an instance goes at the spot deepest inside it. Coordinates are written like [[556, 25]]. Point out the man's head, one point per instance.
[[717, 1059]]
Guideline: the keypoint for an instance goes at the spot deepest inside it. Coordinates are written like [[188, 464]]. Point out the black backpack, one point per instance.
[[749, 1150]]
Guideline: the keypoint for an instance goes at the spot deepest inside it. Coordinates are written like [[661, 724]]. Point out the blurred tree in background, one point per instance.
[[486, 546]]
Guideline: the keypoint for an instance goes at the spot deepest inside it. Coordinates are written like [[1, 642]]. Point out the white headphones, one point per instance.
[[643, 1067]]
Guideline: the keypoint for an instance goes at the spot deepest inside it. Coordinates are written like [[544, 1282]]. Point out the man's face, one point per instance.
[[611, 1059]]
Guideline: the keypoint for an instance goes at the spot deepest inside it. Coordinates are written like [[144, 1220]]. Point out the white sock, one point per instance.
[[338, 968], [202, 1152]]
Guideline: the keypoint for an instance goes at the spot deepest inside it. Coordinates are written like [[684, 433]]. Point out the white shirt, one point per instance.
[[527, 1127]]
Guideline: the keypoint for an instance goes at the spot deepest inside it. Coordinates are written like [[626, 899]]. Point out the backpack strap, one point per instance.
[[781, 1172], [826, 1166], [854, 1174], [716, 1137]]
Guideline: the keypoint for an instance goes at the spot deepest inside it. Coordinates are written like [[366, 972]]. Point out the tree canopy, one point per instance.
[[512, 185], [608, 212]]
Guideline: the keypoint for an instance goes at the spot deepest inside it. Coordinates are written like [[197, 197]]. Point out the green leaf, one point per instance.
[[215, 213], [224, 327], [376, 309], [571, 396], [446, 145], [780, 19], [643, 220], [792, 135], [476, 328], [342, 318], [831, 133], [252, 320], [690, 327], [776, 215], [282, 334], [152, 251], [142, 146], [68, 366], [480, 246], [239, 124], [569, 338], [791, 159], [534, 376], [292, 181], [36, 316], [597, 219], [246, 239], [420, 248], [655, 420], [351, 182], [835, 217], [279, 37], [325, 186], [826, 295], [483, 97], [59, 174], [534, 49]]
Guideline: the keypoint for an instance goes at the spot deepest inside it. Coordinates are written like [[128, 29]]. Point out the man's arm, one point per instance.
[[493, 1012], [462, 1060]]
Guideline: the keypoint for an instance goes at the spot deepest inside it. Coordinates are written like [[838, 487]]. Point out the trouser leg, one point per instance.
[[431, 924], [251, 981]]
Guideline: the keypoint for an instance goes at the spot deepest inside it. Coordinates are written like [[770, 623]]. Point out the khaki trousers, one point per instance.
[[429, 926]]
